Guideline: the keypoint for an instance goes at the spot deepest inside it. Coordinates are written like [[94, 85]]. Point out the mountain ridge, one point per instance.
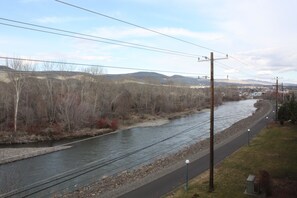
[[157, 78]]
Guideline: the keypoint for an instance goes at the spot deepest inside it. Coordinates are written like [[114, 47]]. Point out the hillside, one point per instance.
[[146, 78], [151, 77]]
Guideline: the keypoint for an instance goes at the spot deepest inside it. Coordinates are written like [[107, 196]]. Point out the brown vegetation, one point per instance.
[[44, 104]]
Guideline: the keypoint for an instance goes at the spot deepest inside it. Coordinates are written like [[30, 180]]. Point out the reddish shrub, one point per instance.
[[102, 123], [56, 129], [114, 124], [33, 129]]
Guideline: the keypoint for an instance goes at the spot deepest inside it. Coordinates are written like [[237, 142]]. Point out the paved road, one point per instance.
[[176, 178]]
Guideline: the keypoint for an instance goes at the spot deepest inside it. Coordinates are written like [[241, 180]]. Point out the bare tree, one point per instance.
[[122, 103], [5, 103], [18, 78], [95, 80], [50, 81]]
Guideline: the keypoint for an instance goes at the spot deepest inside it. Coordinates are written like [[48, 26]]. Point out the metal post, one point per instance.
[[276, 98], [248, 133], [211, 152], [187, 175]]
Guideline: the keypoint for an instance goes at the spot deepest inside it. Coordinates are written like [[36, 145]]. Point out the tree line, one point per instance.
[[62, 102]]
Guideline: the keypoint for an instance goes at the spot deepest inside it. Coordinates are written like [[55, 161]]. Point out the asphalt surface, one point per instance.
[[169, 182]]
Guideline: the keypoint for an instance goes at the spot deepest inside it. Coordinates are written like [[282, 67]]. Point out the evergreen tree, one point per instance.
[[288, 111]]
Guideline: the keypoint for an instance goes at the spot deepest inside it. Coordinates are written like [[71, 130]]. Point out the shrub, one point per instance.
[[265, 182], [102, 123], [114, 124]]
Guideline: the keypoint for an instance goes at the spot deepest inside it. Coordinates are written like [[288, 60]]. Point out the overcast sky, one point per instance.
[[259, 35]]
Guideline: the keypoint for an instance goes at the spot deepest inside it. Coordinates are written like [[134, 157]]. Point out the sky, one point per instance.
[[259, 36]]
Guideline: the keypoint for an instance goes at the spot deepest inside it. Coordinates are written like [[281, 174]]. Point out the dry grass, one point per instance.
[[274, 150]]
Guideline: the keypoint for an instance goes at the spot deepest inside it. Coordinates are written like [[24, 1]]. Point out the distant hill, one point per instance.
[[151, 78], [139, 76]]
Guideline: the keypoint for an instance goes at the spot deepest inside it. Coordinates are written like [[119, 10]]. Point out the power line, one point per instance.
[[119, 43], [108, 39], [138, 26], [95, 65]]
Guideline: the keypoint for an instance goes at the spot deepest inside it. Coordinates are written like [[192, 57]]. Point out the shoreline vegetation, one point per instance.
[[134, 122]]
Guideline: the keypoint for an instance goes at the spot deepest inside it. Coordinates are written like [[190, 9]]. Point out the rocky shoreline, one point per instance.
[[113, 186]]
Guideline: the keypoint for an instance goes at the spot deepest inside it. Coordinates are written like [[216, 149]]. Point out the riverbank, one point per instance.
[[145, 120], [128, 180], [13, 154]]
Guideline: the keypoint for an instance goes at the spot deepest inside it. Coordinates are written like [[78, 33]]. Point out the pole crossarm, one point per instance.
[[209, 59]]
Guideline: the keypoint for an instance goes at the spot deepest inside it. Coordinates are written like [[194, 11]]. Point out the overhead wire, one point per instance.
[[95, 39], [138, 26]]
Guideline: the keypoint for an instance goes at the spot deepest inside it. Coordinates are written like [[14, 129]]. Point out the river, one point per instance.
[[119, 151]]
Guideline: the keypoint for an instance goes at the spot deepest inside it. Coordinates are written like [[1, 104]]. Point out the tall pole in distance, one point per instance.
[[211, 152], [276, 98]]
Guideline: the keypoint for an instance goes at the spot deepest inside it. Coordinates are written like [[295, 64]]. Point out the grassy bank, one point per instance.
[[274, 150]]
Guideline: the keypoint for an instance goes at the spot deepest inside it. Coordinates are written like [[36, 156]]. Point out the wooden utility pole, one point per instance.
[[276, 98], [211, 152], [211, 136]]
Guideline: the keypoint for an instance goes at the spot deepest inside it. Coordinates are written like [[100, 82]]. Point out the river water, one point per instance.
[[126, 149]]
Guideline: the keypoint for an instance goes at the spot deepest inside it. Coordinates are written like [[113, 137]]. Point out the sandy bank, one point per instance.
[[13, 154]]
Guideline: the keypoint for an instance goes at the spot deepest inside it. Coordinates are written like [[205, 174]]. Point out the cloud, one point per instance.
[[119, 32], [231, 71], [274, 59], [59, 19]]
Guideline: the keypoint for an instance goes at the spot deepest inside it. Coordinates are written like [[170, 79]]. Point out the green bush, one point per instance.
[[288, 111]]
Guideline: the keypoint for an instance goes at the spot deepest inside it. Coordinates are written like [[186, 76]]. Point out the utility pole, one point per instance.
[[276, 98], [211, 136]]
